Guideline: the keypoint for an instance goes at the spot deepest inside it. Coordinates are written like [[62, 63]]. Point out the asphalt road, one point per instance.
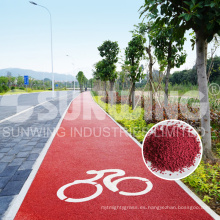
[[13, 104]]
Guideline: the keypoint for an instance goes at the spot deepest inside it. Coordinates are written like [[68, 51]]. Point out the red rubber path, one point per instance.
[[71, 156]]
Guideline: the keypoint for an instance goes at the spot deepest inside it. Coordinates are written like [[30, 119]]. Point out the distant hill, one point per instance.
[[35, 74]]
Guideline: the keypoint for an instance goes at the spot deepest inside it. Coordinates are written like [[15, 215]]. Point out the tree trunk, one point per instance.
[[167, 75], [166, 86], [133, 96], [204, 99], [148, 49], [206, 54], [111, 91], [130, 95], [105, 86]]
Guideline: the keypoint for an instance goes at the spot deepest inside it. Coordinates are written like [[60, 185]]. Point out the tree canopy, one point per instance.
[[109, 51], [203, 15], [134, 53]]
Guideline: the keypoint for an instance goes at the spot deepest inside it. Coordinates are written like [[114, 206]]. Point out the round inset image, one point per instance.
[[172, 149]]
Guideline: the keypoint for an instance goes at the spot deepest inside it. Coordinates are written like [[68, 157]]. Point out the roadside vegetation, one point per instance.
[[82, 80], [15, 85]]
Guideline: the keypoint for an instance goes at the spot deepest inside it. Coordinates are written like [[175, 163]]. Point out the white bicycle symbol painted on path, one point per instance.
[[111, 185]]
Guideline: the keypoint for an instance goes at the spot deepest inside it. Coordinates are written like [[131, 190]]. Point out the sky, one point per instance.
[[79, 27]]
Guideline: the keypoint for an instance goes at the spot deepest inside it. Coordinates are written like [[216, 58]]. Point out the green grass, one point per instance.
[[182, 89]]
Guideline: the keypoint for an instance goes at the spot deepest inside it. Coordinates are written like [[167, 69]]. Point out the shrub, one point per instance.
[[205, 180], [132, 120], [12, 88], [94, 93], [5, 88], [22, 88]]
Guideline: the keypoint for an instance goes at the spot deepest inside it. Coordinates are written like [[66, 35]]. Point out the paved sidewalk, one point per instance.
[[21, 145], [91, 141]]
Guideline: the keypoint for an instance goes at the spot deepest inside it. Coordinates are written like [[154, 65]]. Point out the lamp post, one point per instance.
[[51, 33], [73, 73]]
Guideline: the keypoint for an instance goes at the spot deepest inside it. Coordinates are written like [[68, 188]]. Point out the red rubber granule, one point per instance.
[[171, 148]]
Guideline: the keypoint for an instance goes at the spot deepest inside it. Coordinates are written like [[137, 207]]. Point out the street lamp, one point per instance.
[[73, 73], [33, 3]]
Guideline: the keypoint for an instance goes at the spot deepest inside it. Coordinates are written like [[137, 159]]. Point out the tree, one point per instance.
[[11, 80], [20, 81], [213, 65], [3, 80], [204, 18], [121, 80], [85, 81], [80, 79], [91, 82], [100, 73], [109, 50], [134, 53], [142, 29], [167, 48], [186, 76]]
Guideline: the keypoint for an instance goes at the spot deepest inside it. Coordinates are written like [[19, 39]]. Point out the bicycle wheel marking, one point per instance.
[[148, 188], [111, 185], [61, 196]]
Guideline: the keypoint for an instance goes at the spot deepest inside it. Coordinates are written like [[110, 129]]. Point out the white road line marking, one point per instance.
[[6, 119]]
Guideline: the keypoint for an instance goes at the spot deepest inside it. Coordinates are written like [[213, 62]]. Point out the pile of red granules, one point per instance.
[[171, 148]]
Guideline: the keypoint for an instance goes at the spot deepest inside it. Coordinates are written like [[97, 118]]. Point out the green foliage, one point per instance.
[[134, 53], [186, 76], [91, 82], [200, 15], [85, 81], [81, 79], [20, 81], [101, 73], [109, 51], [205, 180], [94, 93], [215, 71], [206, 198], [217, 149], [167, 47], [5, 88], [3, 80]]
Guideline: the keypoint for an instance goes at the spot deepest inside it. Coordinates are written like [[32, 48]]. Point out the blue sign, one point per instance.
[[57, 85], [26, 80]]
